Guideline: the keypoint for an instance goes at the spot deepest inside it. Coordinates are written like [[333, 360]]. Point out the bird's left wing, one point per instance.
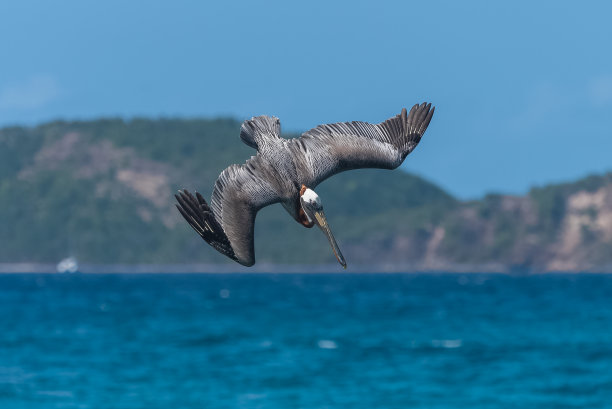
[[239, 193], [333, 148]]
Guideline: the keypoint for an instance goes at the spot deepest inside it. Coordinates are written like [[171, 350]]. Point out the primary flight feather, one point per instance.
[[287, 170]]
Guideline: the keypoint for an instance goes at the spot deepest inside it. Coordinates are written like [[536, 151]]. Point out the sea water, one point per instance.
[[305, 341]]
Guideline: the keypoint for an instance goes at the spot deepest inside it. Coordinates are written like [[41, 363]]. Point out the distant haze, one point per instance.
[[523, 89]]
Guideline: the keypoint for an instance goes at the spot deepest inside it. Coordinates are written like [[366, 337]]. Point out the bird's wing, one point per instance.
[[239, 193], [256, 130], [197, 213], [333, 148]]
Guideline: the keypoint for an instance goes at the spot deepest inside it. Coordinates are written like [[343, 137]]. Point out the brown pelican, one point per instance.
[[287, 170]]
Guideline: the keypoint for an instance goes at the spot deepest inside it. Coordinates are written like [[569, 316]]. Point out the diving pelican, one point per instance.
[[287, 170]]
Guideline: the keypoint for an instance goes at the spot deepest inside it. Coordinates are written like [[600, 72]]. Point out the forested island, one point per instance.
[[102, 191]]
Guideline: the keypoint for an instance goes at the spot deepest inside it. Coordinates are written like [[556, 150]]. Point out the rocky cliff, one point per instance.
[[102, 190]]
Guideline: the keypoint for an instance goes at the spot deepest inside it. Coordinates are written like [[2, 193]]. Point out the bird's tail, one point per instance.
[[201, 218]]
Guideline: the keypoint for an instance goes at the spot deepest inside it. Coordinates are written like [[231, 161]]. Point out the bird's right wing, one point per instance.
[[333, 148]]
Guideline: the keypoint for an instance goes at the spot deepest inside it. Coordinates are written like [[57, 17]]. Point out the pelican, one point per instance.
[[286, 171]]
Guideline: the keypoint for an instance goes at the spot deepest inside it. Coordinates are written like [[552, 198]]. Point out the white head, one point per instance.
[[311, 203], [313, 209]]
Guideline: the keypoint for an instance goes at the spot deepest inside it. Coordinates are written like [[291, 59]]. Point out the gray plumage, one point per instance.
[[281, 167]]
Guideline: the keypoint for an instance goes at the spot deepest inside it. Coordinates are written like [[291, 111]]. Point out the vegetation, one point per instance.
[[103, 191]]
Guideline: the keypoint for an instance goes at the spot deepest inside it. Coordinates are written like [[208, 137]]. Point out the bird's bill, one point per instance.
[[321, 221]]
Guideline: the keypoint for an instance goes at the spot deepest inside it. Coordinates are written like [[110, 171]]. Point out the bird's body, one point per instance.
[[286, 170]]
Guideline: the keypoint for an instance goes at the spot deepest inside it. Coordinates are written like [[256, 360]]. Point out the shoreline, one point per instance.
[[209, 268]]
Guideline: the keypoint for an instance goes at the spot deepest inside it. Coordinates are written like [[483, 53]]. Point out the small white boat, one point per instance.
[[68, 265]]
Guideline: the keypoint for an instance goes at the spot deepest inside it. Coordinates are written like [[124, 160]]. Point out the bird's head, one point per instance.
[[312, 209]]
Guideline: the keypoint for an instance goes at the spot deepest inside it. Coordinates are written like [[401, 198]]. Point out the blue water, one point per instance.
[[305, 341]]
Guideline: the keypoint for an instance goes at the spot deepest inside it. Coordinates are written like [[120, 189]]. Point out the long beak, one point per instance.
[[321, 221]]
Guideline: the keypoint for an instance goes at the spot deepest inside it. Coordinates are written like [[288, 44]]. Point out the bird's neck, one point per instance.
[[301, 216]]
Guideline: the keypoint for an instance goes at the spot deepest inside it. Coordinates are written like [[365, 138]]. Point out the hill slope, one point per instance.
[[102, 190]]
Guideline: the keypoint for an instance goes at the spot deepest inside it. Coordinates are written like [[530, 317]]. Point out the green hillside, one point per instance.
[[103, 191]]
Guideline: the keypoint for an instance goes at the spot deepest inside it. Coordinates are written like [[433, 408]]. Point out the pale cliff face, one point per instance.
[[587, 223], [502, 232]]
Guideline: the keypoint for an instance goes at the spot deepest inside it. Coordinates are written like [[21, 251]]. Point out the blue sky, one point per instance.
[[523, 89]]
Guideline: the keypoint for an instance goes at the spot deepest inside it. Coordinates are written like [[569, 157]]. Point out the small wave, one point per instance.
[[327, 344], [265, 344], [446, 343], [253, 396], [59, 394]]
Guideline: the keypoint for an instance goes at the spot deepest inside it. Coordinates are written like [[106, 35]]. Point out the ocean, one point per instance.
[[279, 341]]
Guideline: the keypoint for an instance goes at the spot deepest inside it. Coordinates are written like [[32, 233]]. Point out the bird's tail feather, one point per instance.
[[200, 217]]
